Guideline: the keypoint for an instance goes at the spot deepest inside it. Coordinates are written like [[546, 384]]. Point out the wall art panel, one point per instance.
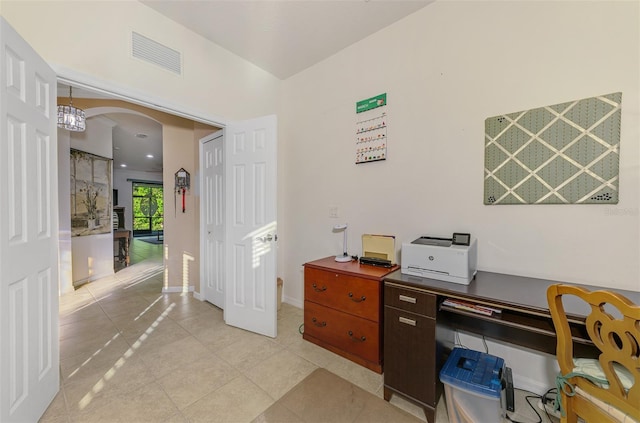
[[567, 153], [91, 210]]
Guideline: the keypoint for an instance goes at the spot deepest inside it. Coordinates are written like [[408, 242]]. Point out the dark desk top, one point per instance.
[[507, 291]]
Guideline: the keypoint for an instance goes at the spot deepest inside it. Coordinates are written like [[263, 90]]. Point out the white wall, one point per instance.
[[124, 187], [65, 278], [214, 81], [92, 256], [446, 69]]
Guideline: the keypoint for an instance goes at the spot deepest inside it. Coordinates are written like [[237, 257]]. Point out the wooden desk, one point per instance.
[[122, 236], [525, 321]]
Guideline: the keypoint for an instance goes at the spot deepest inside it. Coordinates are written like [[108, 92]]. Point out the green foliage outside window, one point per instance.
[[148, 207]]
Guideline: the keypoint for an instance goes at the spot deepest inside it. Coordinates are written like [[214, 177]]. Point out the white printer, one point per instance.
[[447, 259]]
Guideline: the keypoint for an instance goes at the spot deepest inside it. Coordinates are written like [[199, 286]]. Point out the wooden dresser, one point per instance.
[[343, 309]]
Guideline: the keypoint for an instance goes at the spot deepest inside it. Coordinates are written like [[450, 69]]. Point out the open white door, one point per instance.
[[212, 218], [29, 350], [250, 185]]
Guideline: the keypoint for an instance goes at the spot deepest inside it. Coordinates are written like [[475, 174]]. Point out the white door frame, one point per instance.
[[79, 79], [120, 92], [87, 82]]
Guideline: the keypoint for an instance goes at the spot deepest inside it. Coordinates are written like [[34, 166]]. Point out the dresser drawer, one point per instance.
[[410, 300], [350, 294], [349, 333]]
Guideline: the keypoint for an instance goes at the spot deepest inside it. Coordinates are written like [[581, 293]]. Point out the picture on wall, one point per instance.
[[566, 153], [90, 194]]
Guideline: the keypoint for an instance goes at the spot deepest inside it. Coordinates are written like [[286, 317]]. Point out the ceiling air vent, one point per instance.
[[153, 52]]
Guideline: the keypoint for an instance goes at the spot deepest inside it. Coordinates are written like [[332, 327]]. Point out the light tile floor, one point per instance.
[[129, 353]]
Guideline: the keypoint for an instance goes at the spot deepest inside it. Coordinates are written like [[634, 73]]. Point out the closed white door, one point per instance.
[[250, 186], [29, 351], [213, 218]]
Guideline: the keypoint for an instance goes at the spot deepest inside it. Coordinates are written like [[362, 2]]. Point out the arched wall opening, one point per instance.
[[180, 148]]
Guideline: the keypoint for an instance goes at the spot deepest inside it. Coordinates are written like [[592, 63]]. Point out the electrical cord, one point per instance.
[[458, 342], [527, 398], [552, 400], [542, 397], [301, 329]]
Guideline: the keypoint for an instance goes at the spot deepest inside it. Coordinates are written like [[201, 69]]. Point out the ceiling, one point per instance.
[[136, 137], [282, 37], [287, 36]]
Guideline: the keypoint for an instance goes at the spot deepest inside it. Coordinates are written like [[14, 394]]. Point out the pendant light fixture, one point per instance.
[[71, 118]]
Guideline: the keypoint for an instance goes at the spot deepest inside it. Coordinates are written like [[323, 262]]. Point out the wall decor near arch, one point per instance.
[[566, 153], [91, 211]]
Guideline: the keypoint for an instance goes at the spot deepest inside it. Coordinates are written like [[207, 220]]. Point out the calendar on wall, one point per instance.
[[371, 129]]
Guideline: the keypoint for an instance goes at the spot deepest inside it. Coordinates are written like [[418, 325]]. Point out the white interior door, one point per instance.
[[250, 185], [213, 216], [29, 350]]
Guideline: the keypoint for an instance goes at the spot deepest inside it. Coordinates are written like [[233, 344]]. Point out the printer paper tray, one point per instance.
[[434, 274]]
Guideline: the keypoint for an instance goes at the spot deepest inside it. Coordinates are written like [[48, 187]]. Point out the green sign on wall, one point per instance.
[[371, 103]]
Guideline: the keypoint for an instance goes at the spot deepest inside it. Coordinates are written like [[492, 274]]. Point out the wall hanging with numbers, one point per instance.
[[371, 129], [566, 153]]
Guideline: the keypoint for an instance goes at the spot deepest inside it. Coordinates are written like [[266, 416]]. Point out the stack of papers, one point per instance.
[[472, 307]]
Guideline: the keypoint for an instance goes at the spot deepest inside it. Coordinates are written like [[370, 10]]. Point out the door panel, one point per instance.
[[213, 215], [29, 352], [251, 228]]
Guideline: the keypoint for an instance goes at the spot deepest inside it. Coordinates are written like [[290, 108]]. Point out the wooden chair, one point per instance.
[[617, 337]]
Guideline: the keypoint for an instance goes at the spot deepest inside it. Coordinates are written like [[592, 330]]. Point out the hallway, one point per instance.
[[130, 353]]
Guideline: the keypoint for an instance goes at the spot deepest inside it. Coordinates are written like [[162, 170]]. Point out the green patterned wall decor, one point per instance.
[[566, 153]]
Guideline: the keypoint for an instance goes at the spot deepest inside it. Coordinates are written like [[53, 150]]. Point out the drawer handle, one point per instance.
[[318, 324], [357, 300], [315, 288], [406, 321], [407, 299], [353, 338]]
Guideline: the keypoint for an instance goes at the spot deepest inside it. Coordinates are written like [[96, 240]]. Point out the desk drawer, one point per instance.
[[410, 355], [349, 333], [421, 303], [350, 294]]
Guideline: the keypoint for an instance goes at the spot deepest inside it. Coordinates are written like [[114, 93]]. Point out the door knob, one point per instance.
[[267, 238]]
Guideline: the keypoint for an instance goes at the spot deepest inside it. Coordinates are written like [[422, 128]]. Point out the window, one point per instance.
[[148, 208]]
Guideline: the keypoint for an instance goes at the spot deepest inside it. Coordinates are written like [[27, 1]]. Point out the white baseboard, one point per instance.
[[91, 278], [199, 296], [177, 289], [293, 301]]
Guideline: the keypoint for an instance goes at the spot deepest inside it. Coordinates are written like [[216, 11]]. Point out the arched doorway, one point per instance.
[[181, 230]]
